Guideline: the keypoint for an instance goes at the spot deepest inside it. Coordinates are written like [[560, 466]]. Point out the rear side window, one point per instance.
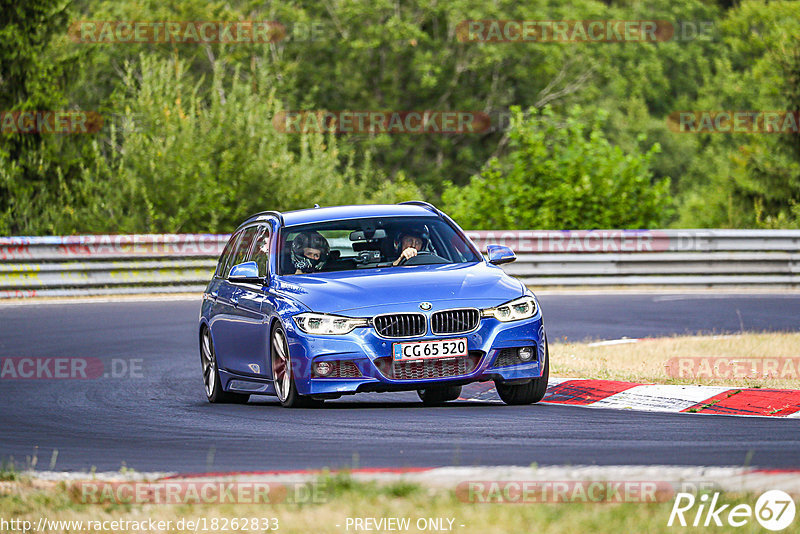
[[226, 254], [243, 248], [260, 253]]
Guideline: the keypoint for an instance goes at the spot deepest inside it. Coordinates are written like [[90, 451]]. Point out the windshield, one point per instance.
[[371, 243]]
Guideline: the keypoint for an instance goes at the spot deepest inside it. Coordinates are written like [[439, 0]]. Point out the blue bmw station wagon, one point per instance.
[[314, 304]]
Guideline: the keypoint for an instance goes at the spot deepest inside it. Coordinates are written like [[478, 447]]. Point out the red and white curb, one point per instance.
[[719, 400], [738, 479], [741, 479]]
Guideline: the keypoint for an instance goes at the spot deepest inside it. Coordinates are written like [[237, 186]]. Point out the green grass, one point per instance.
[[8, 472], [346, 497], [651, 360]]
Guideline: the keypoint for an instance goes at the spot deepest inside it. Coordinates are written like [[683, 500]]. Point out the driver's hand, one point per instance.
[[407, 254]]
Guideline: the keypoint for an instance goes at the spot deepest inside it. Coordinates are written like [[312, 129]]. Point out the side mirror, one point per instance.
[[246, 272], [499, 254]]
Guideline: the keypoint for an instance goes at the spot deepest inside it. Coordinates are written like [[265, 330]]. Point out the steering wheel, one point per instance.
[[419, 253]]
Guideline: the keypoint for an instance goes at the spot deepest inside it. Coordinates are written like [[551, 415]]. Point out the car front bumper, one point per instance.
[[369, 353]]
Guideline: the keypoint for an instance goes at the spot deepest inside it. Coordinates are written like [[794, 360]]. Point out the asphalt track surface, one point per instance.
[[162, 422]]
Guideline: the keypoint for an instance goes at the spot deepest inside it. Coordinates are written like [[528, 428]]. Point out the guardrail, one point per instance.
[[113, 264], [107, 264], [651, 257]]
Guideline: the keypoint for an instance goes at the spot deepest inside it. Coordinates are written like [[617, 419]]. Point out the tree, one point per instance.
[[561, 174], [184, 163], [750, 179], [30, 80]]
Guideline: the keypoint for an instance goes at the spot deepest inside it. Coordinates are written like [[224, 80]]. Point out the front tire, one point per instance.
[[282, 375], [438, 396], [529, 393], [214, 392]]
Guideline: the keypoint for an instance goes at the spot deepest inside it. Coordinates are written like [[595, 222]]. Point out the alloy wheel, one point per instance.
[[281, 365], [209, 362]]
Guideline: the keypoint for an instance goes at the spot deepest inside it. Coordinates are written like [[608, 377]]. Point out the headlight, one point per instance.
[[317, 323], [521, 308]]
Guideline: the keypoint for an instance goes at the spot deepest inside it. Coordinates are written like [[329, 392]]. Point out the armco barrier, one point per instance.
[[651, 257], [108, 264]]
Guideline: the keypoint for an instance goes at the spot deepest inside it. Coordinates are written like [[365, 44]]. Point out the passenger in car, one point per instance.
[[309, 252]]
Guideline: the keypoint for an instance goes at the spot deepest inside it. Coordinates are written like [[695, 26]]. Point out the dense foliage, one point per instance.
[[559, 175], [188, 143]]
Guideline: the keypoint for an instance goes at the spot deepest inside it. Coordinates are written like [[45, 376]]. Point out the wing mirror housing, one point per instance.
[[246, 273], [499, 254]]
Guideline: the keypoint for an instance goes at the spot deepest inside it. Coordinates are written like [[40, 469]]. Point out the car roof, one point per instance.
[[336, 213]]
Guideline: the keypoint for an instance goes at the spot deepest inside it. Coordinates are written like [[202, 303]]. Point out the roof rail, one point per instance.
[[422, 203], [278, 215]]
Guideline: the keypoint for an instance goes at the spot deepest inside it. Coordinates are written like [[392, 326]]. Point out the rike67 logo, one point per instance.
[[774, 510]]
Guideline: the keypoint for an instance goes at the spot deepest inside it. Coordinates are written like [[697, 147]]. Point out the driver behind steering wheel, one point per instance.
[[310, 252], [409, 243]]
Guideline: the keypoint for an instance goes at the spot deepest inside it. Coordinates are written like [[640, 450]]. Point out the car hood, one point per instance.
[[369, 291]]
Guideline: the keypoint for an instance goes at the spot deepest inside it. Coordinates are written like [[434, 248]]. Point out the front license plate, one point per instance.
[[421, 350]]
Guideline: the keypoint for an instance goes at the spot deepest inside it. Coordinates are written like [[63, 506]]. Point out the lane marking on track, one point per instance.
[[357, 471], [621, 341]]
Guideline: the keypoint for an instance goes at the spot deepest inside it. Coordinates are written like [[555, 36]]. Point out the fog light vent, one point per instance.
[[514, 356], [336, 369]]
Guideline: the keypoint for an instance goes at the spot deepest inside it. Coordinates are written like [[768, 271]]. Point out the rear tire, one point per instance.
[[214, 392], [529, 393], [438, 396], [283, 377]]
